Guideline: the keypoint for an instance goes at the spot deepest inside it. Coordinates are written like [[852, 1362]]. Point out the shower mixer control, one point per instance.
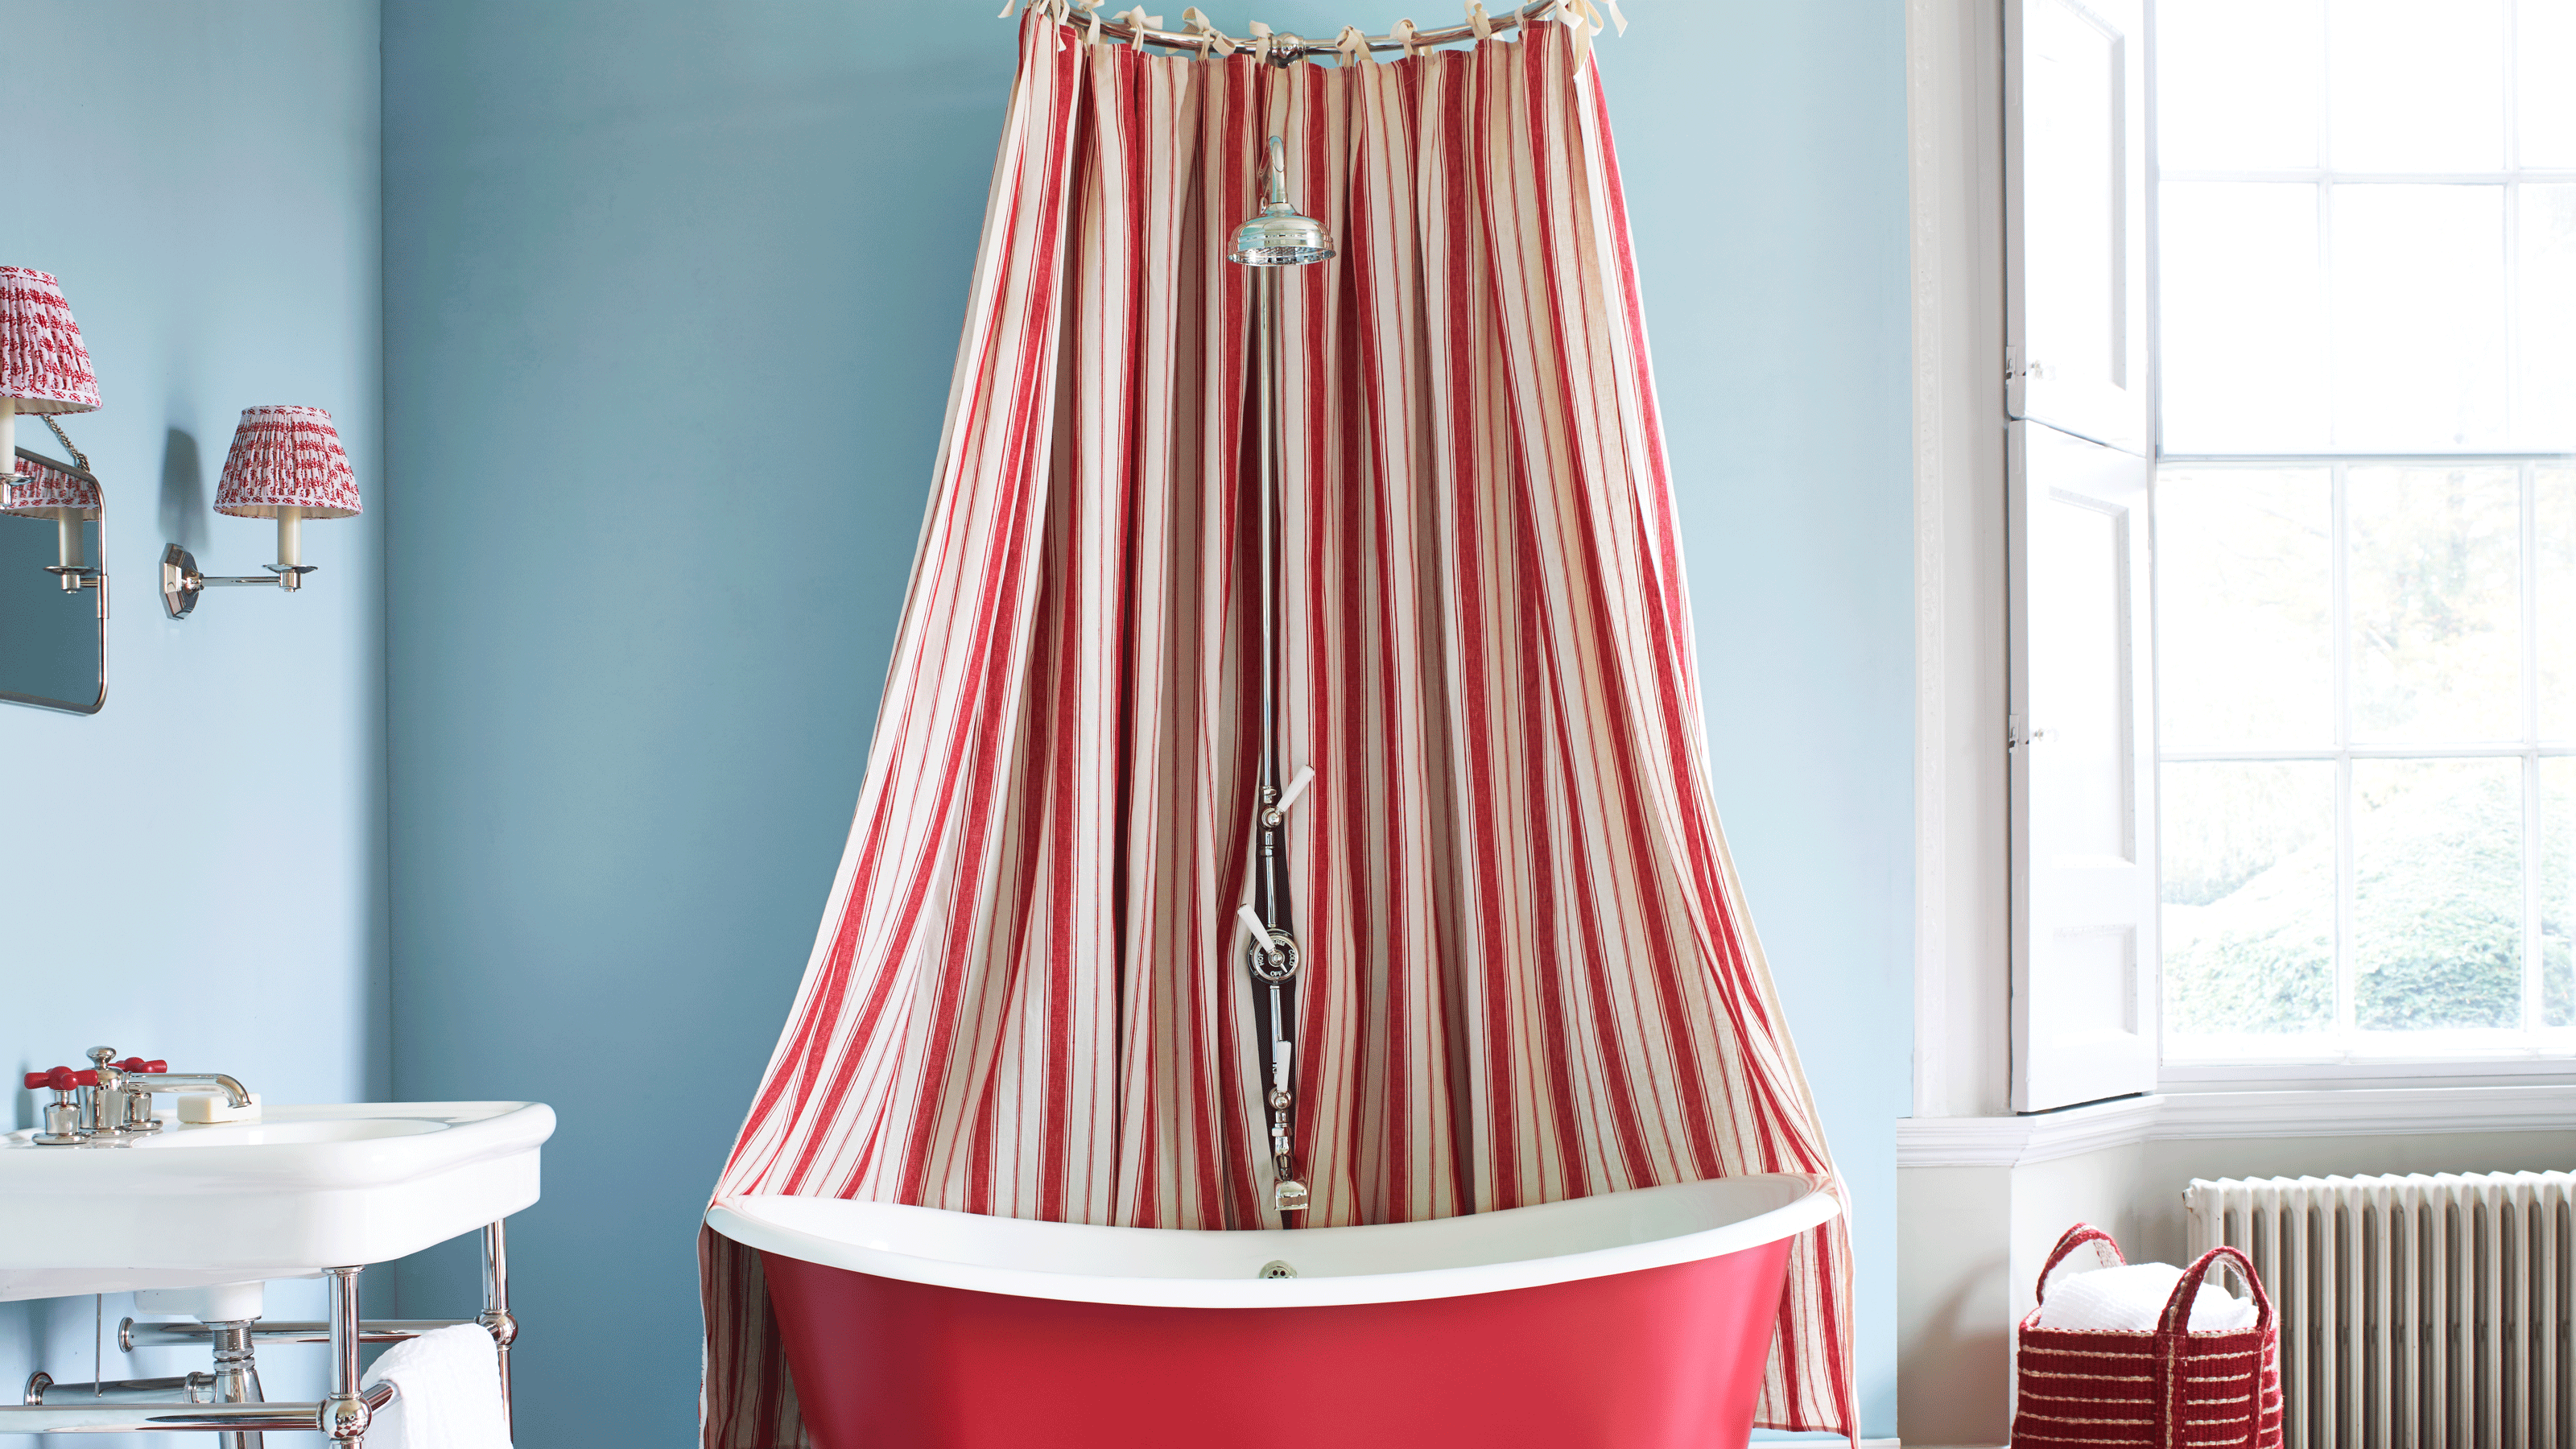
[[112, 1101]]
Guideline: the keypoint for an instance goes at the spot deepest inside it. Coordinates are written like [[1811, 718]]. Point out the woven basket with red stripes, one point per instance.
[[2161, 1388]]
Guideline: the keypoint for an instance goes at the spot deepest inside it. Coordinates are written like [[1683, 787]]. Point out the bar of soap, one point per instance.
[[217, 1108]]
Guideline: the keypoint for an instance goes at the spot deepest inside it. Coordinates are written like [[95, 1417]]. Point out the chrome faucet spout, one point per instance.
[[234, 1094]]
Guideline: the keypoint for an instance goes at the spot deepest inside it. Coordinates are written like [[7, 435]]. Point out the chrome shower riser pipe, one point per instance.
[[1272, 240]]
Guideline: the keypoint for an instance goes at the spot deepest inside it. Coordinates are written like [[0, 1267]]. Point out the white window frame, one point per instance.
[[2351, 1057], [2347, 1043]]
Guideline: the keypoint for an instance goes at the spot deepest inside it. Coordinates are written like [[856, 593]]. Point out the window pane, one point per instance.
[[2237, 84], [2545, 311], [2417, 86], [2244, 608], [2437, 894], [2418, 316], [2435, 584], [2544, 37], [2249, 893], [2558, 891], [2556, 488], [2243, 319]]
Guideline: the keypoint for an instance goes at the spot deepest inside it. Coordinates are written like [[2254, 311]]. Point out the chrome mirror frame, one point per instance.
[[97, 579]]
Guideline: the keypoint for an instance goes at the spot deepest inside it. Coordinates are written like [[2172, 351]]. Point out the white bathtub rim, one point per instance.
[[739, 1219]]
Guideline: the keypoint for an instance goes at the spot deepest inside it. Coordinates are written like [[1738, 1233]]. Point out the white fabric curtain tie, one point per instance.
[[1353, 44], [1402, 32], [1479, 21], [1091, 14], [1196, 22], [1261, 42], [1584, 21], [1137, 23]]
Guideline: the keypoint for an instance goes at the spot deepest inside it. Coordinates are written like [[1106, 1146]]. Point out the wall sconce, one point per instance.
[[285, 464], [44, 369]]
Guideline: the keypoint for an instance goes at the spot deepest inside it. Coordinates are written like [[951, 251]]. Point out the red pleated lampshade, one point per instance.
[[38, 490], [287, 457], [43, 363]]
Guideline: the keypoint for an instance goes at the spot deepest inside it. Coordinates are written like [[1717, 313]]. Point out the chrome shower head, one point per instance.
[[1279, 236]]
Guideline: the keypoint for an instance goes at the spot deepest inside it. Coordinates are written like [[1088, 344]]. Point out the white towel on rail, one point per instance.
[[451, 1392], [2133, 1297]]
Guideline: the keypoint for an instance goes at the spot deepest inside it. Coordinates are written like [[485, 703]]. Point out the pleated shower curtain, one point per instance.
[[1531, 975]]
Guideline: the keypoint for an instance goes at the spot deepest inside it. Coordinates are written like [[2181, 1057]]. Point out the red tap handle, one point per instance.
[[138, 1064], [60, 1079], [38, 1081]]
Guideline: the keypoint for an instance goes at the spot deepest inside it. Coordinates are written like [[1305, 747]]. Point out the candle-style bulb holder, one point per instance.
[[67, 495]]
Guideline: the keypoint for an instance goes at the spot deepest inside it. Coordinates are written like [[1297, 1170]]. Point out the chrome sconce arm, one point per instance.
[[182, 581]]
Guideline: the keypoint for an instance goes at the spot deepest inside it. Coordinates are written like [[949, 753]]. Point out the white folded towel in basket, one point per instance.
[[451, 1392], [2133, 1297]]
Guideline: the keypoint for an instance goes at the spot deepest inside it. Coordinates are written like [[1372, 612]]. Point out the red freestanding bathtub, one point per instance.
[[1633, 1320]]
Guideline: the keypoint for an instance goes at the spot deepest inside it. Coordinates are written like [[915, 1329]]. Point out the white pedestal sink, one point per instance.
[[300, 1190]]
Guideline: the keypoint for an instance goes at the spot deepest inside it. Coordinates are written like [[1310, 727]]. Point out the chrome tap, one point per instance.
[[113, 1100], [117, 1107], [63, 1114]]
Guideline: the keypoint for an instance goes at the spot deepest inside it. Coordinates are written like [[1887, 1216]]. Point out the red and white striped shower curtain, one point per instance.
[[1531, 973]]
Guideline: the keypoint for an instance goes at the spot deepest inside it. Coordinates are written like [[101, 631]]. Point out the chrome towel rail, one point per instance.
[[113, 1417]]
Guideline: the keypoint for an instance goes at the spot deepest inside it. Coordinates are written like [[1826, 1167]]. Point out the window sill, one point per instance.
[[2170, 1116], [2514, 1068]]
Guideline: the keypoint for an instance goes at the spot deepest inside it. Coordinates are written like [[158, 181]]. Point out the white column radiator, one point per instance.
[[2414, 1311]]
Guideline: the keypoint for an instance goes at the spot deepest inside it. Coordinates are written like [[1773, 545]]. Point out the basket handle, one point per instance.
[[2177, 1316], [2106, 1252], [2173, 1335]]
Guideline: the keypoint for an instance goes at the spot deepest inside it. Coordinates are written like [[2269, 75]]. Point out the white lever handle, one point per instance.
[[1296, 787], [1252, 923]]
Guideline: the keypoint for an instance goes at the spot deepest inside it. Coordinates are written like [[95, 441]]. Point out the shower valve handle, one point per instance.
[[138, 1064]]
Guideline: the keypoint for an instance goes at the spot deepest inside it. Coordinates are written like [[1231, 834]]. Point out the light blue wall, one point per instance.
[[198, 873], [670, 306], [1764, 150]]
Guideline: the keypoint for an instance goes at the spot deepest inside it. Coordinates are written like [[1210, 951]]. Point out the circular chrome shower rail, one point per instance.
[[1286, 47]]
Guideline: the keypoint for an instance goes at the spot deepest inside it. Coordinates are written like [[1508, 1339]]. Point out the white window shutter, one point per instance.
[[2081, 714], [2075, 305]]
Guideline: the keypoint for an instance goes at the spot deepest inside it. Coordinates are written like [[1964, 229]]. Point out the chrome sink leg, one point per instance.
[[344, 1414], [496, 1309], [237, 1374]]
